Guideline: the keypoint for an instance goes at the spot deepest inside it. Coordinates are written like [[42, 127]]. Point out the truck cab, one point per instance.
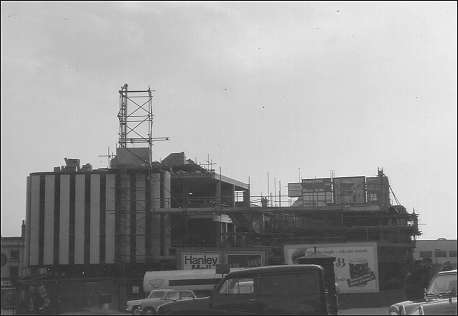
[[285, 289]]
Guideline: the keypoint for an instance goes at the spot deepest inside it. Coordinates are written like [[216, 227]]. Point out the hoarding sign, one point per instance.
[[244, 260], [317, 192], [193, 261], [349, 190], [317, 185], [294, 189], [355, 267]]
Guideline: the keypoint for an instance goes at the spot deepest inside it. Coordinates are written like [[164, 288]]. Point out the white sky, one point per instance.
[[261, 87]]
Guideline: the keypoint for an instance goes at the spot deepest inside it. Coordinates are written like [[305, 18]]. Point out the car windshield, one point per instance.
[[156, 294], [442, 284]]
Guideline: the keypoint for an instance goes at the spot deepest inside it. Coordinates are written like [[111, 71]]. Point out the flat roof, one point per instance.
[[231, 181], [210, 175]]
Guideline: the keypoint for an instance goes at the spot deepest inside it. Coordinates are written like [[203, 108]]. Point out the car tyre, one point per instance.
[[137, 310], [150, 311]]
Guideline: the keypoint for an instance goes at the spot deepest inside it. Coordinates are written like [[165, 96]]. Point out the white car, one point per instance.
[[157, 298], [440, 298]]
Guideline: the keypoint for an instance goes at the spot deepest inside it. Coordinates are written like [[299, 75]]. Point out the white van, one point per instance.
[[201, 281]]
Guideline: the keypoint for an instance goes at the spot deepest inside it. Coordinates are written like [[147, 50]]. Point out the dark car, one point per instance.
[[287, 289], [439, 299]]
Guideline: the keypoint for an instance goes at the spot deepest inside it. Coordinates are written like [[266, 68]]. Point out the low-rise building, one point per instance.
[[12, 267], [440, 251]]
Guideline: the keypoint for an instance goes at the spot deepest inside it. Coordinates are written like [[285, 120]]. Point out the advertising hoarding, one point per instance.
[[294, 189], [317, 192], [317, 185], [192, 261], [349, 190], [244, 260], [355, 267], [378, 190]]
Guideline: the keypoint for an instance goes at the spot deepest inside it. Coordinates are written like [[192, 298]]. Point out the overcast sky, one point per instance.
[[261, 87]]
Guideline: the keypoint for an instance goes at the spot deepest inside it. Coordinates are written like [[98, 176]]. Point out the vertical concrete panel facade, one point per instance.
[[167, 222], [79, 219], [64, 220], [94, 250], [27, 226], [34, 219], [110, 219], [140, 218], [82, 218], [48, 255], [155, 222], [166, 182], [156, 190], [124, 218]]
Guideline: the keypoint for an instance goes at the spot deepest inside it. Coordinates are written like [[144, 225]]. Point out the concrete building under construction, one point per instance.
[[92, 234]]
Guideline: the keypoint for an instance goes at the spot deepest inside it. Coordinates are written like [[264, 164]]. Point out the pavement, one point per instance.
[[350, 311], [364, 311], [96, 311], [101, 311]]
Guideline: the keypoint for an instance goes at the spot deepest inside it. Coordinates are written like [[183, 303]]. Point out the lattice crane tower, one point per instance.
[[136, 126]]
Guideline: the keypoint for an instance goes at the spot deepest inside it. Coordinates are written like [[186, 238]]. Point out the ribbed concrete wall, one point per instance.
[[110, 219], [34, 219], [64, 219], [90, 218], [94, 254], [48, 256], [140, 195], [155, 223]]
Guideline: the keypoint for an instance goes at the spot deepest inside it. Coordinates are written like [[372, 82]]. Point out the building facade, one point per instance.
[[12, 267], [440, 251], [92, 234], [117, 223]]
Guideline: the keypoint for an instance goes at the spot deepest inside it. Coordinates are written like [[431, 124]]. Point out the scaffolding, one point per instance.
[[136, 119]]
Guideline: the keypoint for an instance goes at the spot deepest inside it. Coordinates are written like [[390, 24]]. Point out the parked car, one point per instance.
[[155, 299], [439, 299], [286, 289]]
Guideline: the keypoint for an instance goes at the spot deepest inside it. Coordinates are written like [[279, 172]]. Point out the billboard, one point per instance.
[[244, 260], [294, 189], [197, 260], [355, 267], [378, 190], [317, 185], [317, 192], [349, 190], [193, 261]]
